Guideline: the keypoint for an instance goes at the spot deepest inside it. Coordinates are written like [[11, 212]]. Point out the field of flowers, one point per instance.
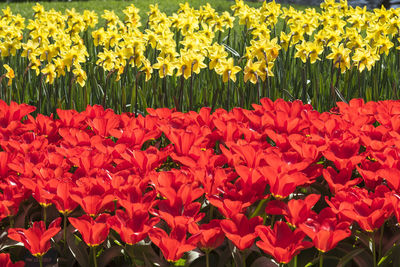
[[171, 140], [278, 184], [199, 57]]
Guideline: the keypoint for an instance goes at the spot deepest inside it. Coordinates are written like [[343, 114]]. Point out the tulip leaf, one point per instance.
[[108, 255], [363, 258], [349, 256], [21, 218], [78, 249], [391, 258], [264, 261]]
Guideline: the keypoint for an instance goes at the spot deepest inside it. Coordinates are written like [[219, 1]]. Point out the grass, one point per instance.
[[169, 7]]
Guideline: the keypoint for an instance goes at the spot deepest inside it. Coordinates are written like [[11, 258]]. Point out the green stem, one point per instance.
[[295, 261], [321, 259], [259, 206], [11, 221], [191, 89], [94, 256], [65, 228], [373, 248], [380, 243], [44, 215], [41, 261], [207, 258]]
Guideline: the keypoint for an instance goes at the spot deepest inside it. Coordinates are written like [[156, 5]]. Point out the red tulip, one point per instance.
[[211, 234], [36, 239], [62, 200], [369, 210], [280, 242], [134, 229], [240, 230], [282, 184], [326, 230], [295, 211], [93, 232], [175, 244], [338, 181]]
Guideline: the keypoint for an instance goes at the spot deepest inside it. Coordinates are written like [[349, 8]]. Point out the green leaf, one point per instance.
[[78, 249], [349, 256], [108, 255], [231, 50]]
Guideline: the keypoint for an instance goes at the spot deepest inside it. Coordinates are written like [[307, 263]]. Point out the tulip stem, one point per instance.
[[373, 248], [93, 249], [65, 229], [321, 259], [380, 243], [41, 261], [44, 215], [207, 258], [258, 208]]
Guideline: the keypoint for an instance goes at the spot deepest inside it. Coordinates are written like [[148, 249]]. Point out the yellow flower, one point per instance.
[[308, 50], [251, 71], [90, 18], [383, 45], [98, 36], [106, 59], [189, 63], [146, 68], [10, 74], [164, 66], [110, 17], [341, 57], [80, 76], [132, 16], [39, 10], [364, 58], [50, 72], [216, 54], [285, 40], [227, 69], [266, 70]]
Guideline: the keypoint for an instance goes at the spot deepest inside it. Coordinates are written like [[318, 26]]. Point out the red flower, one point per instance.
[[282, 184], [240, 230], [280, 242], [62, 200], [296, 211], [344, 153], [175, 244], [212, 235], [5, 261], [134, 229], [93, 232], [338, 181], [36, 239], [326, 230], [369, 210]]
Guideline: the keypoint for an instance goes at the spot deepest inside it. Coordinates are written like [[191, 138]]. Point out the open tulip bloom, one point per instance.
[[37, 238]]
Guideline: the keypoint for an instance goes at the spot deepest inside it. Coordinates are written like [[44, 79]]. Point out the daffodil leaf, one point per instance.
[[232, 51]]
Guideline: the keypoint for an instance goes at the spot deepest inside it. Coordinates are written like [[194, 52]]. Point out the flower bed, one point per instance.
[[281, 183]]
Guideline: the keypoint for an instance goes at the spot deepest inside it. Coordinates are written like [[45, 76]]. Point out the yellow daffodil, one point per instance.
[[364, 58], [9, 74], [164, 66], [50, 72], [341, 57], [251, 71], [227, 69]]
